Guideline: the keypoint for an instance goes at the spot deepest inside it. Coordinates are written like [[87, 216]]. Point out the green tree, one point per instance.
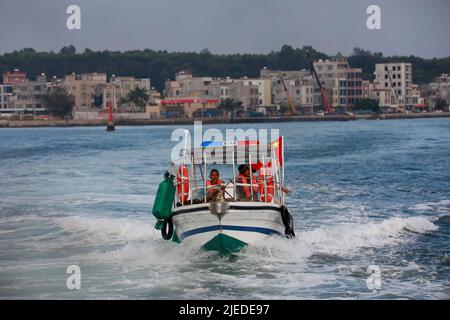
[[138, 97], [440, 104], [284, 107], [59, 103], [70, 50], [123, 101], [231, 106], [367, 104], [162, 65]]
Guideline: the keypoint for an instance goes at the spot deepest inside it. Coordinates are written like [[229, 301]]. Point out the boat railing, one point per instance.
[[267, 186], [233, 195]]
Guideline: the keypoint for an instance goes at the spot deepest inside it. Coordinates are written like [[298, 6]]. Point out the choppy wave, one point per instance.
[[137, 239], [108, 229], [345, 239], [442, 206]]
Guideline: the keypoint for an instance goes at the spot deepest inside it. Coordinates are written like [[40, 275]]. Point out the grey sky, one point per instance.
[[418, 27]]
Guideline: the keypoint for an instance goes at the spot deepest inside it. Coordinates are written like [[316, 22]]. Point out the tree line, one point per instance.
[[162, 65]]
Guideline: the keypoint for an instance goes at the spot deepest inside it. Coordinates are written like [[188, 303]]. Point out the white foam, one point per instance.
[[154, 252], [143, 245], [273, 268], [442, 206], [343, 239], [119, 229]]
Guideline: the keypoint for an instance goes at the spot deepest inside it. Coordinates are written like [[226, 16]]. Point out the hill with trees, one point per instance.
[[162, 65]]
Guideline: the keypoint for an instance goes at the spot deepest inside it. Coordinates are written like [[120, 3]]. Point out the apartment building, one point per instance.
[[266, 73], [342, 84], [417, 100], [245, 91], [263, 91], [441, 86], [185, 107], [116, 91], [7, 97], [354, 88], [185, 85], [87, 89], [14, 78], [438, 89], [300, 90], [366, 89], [30, 94], [378, 91], [299, 85], [397, 77], [224, 88]]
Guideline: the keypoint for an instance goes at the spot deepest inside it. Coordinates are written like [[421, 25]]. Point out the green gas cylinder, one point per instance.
[[162, 207]]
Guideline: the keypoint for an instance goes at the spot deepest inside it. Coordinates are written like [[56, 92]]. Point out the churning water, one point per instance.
[[364, 193]]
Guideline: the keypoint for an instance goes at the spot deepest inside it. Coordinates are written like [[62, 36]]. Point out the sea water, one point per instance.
[[365, 195]]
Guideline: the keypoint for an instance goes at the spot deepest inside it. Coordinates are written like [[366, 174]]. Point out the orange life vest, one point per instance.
[[248, 192], [209, 184]]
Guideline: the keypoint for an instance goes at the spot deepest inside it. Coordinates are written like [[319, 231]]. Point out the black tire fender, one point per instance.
[[288, 222], [167, 229]]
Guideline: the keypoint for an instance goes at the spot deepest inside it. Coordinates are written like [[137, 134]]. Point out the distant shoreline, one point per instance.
[[148, 122]]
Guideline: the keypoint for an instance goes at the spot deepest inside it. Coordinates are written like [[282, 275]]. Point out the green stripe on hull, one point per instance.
[[224, 244]]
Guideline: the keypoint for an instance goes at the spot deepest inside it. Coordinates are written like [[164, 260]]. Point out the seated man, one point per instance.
[[244, 193], [213, 185]]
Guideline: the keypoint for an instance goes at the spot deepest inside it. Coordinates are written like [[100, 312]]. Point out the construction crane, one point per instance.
[[291, 105], [325, 103]]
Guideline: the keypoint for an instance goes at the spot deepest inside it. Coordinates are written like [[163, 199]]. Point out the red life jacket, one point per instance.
[[209, 184], [247, 190]]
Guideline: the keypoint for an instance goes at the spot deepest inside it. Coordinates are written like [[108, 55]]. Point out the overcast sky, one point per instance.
[[418, 27]]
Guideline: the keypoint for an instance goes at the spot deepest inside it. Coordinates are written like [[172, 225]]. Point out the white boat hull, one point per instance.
[[242, 224]]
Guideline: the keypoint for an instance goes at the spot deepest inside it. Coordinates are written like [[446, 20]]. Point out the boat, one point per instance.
[[230, 214]]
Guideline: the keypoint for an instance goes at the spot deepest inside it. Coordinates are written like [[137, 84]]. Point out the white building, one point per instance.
[[397, 77], [224, 88], [87, 90], [343, 85], [30, 94], [264, 90], [442, 86], [299, 85], [118, 89], [383, 95], [185, 85]]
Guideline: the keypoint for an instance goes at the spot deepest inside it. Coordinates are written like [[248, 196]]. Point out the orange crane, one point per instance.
[[325, 103], [291, 105]]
